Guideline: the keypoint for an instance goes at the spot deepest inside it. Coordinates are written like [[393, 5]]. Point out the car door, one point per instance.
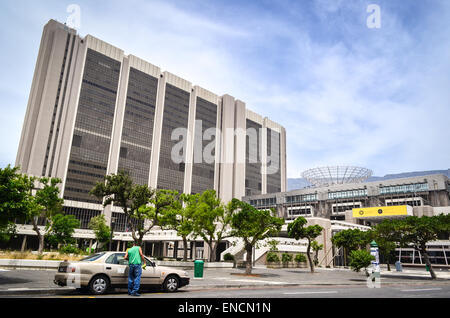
[[151, 274], [116, 266]]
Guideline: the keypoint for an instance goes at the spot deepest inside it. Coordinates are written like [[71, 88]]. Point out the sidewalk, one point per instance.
[[22, 282]]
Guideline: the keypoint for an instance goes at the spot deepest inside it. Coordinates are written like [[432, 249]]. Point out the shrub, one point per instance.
[[272, 258], [69, 249], [228, 257], [300, 258], [360, 259], [286, 258]]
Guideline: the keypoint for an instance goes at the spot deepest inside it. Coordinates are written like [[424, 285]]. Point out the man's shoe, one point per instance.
[[136, 294]]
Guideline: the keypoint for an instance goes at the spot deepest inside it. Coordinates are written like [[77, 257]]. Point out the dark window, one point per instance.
[[123, 152], [76, 141]]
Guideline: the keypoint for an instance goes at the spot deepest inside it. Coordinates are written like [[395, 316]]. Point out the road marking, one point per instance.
[[4, 270], [424, 289], [303, 293], [256, 281], [249, 280]]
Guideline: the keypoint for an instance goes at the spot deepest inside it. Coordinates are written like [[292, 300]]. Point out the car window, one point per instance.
[[92, 258], [117, 259]]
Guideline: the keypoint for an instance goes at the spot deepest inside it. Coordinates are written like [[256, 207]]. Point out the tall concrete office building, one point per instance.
[[93, 111]]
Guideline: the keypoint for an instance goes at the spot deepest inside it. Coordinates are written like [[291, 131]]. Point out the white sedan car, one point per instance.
[[101, 271]]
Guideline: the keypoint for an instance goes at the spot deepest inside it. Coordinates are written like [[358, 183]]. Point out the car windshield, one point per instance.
[[92, 257]]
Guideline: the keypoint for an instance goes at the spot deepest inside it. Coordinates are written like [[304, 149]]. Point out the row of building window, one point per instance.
[[416, 187], [301, 198], [347, 194], [264, 202]]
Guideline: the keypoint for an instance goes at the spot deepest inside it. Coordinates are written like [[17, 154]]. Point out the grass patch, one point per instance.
[[47, 256]]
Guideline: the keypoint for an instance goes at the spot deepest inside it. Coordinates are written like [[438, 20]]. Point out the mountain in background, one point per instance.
[[301, 183]]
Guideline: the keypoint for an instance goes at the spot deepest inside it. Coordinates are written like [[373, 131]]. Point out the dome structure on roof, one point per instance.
[[326, 176]]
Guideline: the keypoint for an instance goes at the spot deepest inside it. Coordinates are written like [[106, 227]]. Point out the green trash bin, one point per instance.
[[198, 269], [427, 268]]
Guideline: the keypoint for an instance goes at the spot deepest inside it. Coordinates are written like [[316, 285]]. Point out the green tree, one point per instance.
[[61, 229], [360, 259], [15, 199], [386, 236], [178, 217], [211, 219], [118, 189], [418, 231], [253, 225], [316, 247], [101, 230], [297, 230], [46, 205], [350, 240]]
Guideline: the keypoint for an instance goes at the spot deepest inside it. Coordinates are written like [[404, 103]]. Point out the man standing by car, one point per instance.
[[135, 259]]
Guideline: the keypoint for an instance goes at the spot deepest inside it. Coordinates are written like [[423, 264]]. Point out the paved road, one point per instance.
[[266, 283], [437, 290]]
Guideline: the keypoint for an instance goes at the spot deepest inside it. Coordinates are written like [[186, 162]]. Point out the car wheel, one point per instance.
[[171, 284], [99, 285]]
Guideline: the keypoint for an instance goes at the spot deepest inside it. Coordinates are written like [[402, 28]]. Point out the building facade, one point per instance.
[[94, 111], [423, 196]]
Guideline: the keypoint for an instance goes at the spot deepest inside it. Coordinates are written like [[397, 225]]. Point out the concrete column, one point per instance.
[[157, 129], [205, 251], [189, 156], [283, 160], [240, 140], [227, 149], [118, 246]]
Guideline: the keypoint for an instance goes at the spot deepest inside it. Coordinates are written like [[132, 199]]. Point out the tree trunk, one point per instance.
[[39, 235], [248, 261], [427, 262], [308, 250], [212, 251], [24, 243], [184, 249]]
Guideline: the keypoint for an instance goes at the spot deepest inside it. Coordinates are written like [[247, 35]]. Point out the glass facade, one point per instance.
[[93, 127], [299, 211], [253, 176], [263, 202], [121, 222], [347, 194], [176, 113], [137, 131], [203, 172], [82, 215], [274, 155], [301, 198], [416, 187]]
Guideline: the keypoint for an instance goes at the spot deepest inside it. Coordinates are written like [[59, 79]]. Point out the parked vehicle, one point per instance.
[[100, 272]]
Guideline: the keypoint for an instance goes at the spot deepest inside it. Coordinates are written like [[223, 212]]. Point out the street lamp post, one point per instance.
[[113, 223]]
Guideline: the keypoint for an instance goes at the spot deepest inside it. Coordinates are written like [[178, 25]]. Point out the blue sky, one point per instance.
[[346, 94]]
